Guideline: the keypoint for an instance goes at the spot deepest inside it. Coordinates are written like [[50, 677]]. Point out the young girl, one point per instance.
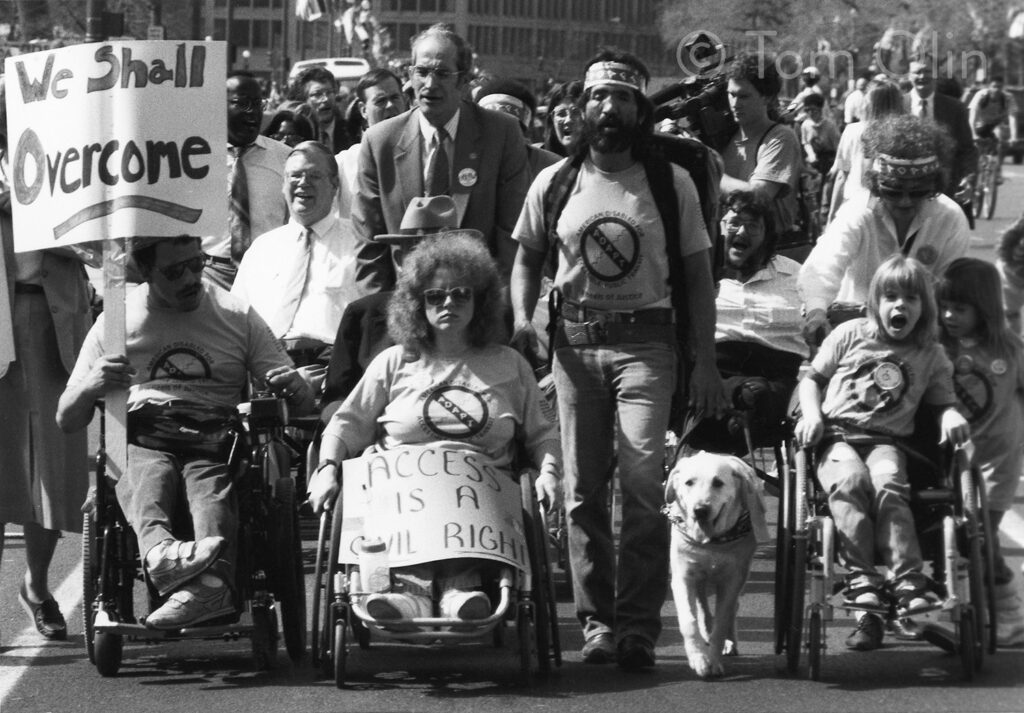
[[988, 374], [875, 372]]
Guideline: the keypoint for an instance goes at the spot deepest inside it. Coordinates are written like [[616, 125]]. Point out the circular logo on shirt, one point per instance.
[[610, 248], [999, 367], [180, 363], [927, 255], [451, 411], [888, 376], [878, 386], [974, 392], [467, 177]]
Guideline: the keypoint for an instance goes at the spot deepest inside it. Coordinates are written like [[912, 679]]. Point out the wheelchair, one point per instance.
[[948, 504], [524, 593], [269, 580]]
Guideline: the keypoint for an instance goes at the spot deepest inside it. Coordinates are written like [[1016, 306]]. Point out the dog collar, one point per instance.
[[741, 529]]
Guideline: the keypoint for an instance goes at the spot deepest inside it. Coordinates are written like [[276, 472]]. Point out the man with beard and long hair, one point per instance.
[[626, 278]]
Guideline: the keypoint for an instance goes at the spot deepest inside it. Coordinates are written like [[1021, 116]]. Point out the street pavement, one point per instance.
[[219, 676]]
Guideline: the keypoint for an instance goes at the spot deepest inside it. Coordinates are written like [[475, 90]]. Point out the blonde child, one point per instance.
[[875, 372], [988, 374]]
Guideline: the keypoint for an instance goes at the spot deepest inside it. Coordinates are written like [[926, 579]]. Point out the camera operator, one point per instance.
[[763, 156]]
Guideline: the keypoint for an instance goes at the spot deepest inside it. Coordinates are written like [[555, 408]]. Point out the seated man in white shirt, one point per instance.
[[758, 330], [299, 277]]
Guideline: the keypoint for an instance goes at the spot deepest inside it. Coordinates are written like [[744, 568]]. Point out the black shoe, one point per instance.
[[46, 616], [635, 653], [868, 634], [599, 648]]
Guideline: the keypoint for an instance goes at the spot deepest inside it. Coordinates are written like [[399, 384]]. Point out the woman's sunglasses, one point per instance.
[[435, 296]]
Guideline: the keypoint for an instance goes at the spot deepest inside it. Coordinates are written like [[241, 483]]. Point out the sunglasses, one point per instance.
[[895, 194], [435, 297], [193, 264], [437, 72]]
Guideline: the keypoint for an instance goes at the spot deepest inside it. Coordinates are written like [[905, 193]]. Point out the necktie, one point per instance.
[[439, 167], [294, 283], [924, 108], [238, 206]]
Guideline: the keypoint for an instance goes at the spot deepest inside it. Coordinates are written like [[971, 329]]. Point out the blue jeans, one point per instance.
[[158, 484], [869, 496], [614, 404]]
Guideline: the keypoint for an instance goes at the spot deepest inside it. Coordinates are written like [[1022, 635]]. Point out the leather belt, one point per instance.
[[217, 259], [655, 315], [27, 288]]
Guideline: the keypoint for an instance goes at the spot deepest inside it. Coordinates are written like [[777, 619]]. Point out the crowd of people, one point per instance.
[[377, 252]]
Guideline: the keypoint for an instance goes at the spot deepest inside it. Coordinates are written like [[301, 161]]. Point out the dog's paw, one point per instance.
[[706, 666]]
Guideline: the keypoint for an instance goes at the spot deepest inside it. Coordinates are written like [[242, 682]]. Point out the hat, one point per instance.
[[811, 71], [425, 215]]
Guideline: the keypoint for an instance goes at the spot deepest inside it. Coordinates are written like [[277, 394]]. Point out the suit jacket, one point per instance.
[[490, 177], [951, 115], [362, 335]]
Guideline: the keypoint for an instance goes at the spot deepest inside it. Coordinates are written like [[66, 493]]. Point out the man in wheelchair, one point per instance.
[[758, 333], [191, 350]]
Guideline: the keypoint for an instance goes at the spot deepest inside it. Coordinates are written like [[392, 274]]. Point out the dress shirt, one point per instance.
[[764, 310], [427, 131], [914, 104], [264, 170], [330, 279]]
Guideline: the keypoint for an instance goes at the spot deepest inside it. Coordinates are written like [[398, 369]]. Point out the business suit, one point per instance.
[[490, 177], [951, 115]]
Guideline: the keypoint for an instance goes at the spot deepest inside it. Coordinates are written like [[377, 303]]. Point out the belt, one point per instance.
[[218, 260], [656, 315], [27, 288]]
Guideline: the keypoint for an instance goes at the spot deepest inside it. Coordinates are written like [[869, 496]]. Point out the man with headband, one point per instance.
[[905, 211], [515, 99], [628, 272]]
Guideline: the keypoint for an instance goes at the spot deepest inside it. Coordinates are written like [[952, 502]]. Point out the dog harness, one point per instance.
[[741, 529]]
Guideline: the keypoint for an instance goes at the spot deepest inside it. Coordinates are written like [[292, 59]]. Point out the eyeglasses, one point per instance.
[[437, 72], [321, 95], [247, 103], [895, 194], [194, 265], [435, 296], [567, 113], [308, 176], [733, 226]]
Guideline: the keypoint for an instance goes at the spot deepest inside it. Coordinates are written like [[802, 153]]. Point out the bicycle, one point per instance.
[[986, 183]]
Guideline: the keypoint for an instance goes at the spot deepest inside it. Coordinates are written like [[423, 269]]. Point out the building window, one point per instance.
[[240, 30], [407, 6]]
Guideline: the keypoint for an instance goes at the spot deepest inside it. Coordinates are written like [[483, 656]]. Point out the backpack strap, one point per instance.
[[555, 198]]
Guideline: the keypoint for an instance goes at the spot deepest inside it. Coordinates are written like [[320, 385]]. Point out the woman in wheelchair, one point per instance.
[[190, 352], [449, 382], [758, 334], [875, 373]]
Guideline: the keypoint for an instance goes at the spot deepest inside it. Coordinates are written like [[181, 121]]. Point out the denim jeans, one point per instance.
[[869, 496], [158, 484], [614, 403]]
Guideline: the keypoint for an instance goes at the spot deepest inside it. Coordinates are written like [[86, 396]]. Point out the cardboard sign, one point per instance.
[[116, 140], [432, 504]]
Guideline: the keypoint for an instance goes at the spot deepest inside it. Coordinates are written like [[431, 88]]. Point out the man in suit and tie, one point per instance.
[[318, 88], [445, 145], [947, 112]]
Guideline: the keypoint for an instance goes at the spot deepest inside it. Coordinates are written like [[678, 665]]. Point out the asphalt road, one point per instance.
[[216, 676]]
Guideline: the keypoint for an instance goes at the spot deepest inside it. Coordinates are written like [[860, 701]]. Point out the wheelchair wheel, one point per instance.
[[291, 585], [525, 627], [798, 573], [544, 615], [109, 649], [339, 650], [783, 555], [969, 650], [264, 637], [815, 644], [89, 575], [319, 587], [979, 566]]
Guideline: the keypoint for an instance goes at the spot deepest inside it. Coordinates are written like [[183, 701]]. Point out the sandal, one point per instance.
[[865, 598], [916, 601]]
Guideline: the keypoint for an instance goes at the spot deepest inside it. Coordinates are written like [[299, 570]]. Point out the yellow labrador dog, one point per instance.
[[716, 507]]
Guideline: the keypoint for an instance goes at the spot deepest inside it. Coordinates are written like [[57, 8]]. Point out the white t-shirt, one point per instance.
[[611, 240]]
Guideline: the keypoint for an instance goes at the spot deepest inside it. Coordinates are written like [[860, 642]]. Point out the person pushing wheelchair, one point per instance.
[[191, 350]]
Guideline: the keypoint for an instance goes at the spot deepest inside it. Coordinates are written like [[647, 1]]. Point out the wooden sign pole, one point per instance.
[[116, 439]]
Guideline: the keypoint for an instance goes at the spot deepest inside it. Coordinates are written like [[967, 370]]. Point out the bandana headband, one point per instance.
[[616, 73], [509, 105], [891, 167]]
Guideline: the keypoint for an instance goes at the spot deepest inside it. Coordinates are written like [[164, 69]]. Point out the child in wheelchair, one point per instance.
[[988, 373], [190, 351], [869, 379]]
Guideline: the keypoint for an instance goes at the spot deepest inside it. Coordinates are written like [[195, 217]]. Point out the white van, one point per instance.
[[347, 70]]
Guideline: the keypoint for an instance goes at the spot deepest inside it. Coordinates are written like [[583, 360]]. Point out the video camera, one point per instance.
[[700, 98]]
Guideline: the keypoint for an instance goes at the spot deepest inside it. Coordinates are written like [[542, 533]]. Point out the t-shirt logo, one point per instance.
[[451, 411], [973, 390], [179, 364], [879, 385], [610, 248]]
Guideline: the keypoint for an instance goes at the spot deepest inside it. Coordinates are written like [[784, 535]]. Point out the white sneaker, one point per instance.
[[457, 604], [206, 597], [173, 562], [394, 605], [1009, 617]]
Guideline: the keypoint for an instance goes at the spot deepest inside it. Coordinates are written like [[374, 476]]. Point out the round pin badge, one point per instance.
[[888, 376], [927, 255], [963, 364], [467, 177], [999, 367]]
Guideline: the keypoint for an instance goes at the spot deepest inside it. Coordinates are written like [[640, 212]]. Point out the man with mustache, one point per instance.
[[627, 273], [190, 353]]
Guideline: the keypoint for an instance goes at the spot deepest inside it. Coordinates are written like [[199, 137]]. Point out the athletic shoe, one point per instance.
[[172, 563], [206, 597], [457, 604], [599, 648], [868, 634], [392, 605]]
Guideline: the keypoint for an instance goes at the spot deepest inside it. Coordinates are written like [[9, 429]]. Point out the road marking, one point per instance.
[[28, 643]]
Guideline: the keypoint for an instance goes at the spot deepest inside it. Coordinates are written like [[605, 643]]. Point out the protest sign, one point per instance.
[[432, 504], [116, 140]]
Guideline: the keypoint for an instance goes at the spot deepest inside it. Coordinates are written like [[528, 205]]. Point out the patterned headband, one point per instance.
[[891, 167], [616, 73], [509, 105]]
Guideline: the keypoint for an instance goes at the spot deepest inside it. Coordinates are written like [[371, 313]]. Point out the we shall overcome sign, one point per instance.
[[432, 504], [117, 140]]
